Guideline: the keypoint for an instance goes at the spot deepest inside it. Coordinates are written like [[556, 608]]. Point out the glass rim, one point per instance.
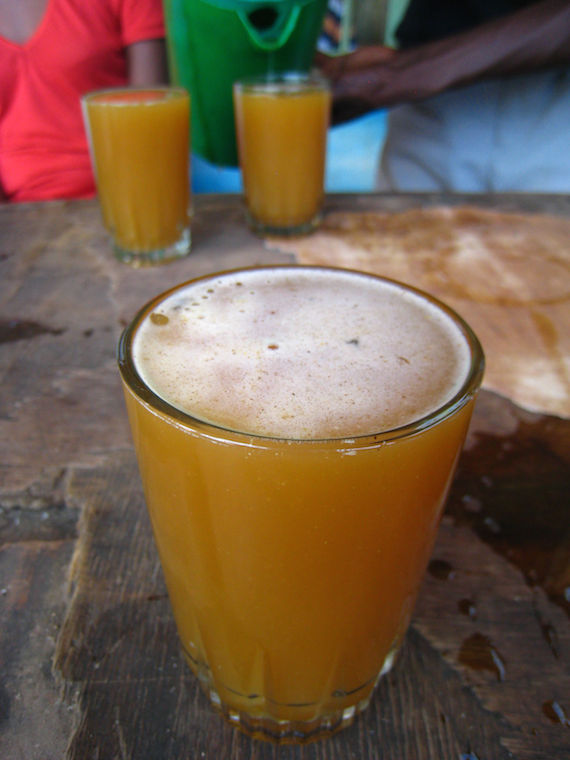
[[285, 81], [469, 387], [174, 90]]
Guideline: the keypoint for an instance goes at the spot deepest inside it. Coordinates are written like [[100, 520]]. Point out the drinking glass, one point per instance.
[[281, 128], [292, 562], [139, 144]]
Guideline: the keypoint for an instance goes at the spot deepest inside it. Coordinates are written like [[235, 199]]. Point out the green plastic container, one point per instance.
[[211, 43]]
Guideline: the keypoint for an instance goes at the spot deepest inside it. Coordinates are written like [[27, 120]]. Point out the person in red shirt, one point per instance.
[[51, 53]]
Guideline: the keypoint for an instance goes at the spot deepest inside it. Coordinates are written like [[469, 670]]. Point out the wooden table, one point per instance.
[[89, 659]]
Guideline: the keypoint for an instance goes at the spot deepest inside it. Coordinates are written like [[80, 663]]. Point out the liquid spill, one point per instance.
[[440, 569], [18, 329], [555, 713], [466, 607], [478, 653], [512, 490], [156, 597], [549, 634]]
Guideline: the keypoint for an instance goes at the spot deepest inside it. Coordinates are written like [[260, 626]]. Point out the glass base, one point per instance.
[[263, 229], [176, 250], [261, 718], [289, 731]]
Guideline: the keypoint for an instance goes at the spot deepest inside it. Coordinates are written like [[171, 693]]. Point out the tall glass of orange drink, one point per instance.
[[139, 142], [297, 430], [281, 130]]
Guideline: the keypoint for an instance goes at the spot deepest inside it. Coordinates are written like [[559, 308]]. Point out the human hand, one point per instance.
[[354, 76], [533, 38], [334, 67]]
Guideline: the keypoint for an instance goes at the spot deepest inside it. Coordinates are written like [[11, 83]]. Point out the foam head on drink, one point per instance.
[[295, 353], [292, 557]]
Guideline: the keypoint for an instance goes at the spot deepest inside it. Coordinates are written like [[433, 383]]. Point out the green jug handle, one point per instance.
[[273, 44]]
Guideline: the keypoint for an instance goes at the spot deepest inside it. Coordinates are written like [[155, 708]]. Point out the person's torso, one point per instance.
[[76, 47]]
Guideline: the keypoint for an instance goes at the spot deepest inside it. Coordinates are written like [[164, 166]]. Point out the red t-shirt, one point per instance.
[[78, 47]]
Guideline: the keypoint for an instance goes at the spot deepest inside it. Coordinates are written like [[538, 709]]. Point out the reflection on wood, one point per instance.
[[508, 276]]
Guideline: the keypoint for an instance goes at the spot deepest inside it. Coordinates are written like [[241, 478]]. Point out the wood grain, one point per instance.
[[89, 657]]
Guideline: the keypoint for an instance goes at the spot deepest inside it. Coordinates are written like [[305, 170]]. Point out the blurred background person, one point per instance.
[[353, 147], [479, 94], [51, 53]]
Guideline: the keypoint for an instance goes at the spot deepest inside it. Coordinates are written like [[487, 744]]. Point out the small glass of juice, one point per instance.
[[139, 140], [282, 122]]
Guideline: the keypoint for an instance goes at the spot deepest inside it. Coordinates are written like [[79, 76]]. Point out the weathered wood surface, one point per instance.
[[507, 274], [89, 659]]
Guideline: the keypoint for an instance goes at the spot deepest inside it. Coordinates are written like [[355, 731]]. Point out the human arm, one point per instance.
[[534, 38], [146, 63]]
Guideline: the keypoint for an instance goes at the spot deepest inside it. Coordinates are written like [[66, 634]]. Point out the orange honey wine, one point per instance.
[[281, 128], [139, 140], [297, 430]]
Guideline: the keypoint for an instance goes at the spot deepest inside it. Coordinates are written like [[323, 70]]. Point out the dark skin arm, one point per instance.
[[146, 63], [534, 38]]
